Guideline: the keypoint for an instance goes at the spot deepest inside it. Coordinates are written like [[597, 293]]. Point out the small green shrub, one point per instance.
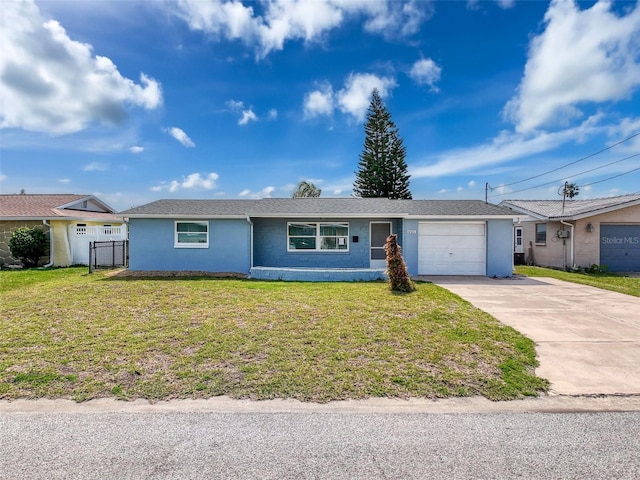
[[28, 245]]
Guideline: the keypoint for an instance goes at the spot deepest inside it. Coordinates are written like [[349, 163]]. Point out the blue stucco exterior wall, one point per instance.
[[151, 247], [500, 248], [409, 245], [270, 245]]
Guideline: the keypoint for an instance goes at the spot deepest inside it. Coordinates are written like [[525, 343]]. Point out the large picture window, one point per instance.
[[191, 235], [541, 233], [317, 236]]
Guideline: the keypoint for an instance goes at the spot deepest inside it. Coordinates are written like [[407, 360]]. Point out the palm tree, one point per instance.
[[305, 190]]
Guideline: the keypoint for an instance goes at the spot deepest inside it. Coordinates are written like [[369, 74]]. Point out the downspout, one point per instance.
[[250, 243], [571, 243], [50, 264]]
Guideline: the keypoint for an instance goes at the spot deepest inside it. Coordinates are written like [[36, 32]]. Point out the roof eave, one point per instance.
[[602, 211], [463, 217], [181, 216], [93, 198]]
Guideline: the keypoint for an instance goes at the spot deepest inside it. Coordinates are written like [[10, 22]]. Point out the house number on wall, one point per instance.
[[411, 232]]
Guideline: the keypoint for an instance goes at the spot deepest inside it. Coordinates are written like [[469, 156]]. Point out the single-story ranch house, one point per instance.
[[320, 238], [71, 222], [600, 231]]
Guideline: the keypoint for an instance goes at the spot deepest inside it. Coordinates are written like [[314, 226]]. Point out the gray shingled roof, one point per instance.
[[573, 208], [47, 206], [335, 207]]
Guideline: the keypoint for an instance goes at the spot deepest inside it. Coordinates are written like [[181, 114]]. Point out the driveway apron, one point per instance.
[[587, 339]]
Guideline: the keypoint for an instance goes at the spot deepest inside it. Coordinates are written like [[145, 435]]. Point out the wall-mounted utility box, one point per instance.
[[563, 233]]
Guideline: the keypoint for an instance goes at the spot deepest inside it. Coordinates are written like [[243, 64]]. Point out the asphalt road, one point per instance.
[[313, 445]]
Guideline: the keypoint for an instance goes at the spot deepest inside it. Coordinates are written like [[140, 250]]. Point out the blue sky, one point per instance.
[[136, 101]]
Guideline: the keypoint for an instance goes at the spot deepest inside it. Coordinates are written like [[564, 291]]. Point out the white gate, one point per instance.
[[80, 236]]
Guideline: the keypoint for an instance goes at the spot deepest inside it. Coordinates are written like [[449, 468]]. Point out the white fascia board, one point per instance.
[[462, 217], [22, 219], [184, 216], [330, 215], [88, 219], [59, 218]]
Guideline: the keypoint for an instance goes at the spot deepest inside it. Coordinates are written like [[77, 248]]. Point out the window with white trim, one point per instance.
[[317, 237], [191, 235], [541, 233]]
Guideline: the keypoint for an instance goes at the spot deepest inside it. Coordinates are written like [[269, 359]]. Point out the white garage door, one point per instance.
[[451, 248]]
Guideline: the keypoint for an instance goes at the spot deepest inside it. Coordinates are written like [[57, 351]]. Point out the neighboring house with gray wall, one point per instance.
[[70, 221], [320, 238], [600, 231]]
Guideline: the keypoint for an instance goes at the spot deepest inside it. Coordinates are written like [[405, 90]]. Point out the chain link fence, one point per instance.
[[108, 254]]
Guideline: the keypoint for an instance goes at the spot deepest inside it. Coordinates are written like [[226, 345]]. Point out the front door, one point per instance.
[[379, 231], [517, 241]]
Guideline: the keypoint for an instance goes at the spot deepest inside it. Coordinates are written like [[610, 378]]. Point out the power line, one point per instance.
[[611, 178], [575, 175], [574, 162]]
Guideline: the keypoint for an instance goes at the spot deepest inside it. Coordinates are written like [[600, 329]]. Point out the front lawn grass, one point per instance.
[[67, 334], [607, 281]]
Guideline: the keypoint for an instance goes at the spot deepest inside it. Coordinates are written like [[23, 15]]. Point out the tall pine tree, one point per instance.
[[382, 170]]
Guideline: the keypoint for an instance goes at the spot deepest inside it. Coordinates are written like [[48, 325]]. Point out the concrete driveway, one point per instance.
[[588, 339]]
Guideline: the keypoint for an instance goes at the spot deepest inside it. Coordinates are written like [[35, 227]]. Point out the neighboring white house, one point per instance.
[[601, 231], [71, 221]]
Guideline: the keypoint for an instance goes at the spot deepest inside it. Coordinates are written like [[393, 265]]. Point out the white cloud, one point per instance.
[[426, 72], [392, 19], [264, 193], [64, 180], [471, 184], [51, 83], [273, 114], [319, 102], [180, 136], [583, 56], [309, 21], [505, 147], [235, 105], [459, 189], [194, 181], [93, 166], [247, 116], [355, 97], [136, 149], [2, 177], [503, 4], [624, 129]]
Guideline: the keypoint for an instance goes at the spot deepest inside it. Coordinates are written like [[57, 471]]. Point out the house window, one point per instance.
[[541, 233], [191, 235], [317, 237], [81, 229]]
